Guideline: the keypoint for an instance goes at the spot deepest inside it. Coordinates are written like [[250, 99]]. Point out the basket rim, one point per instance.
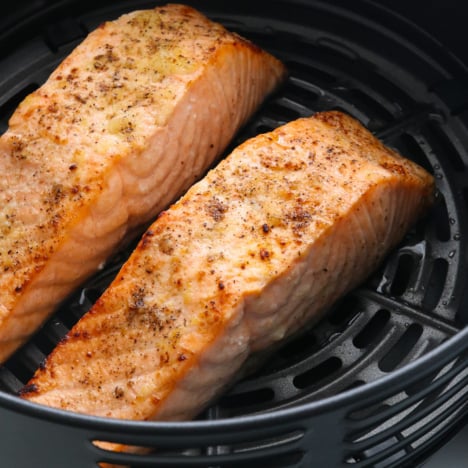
[[379, 389]]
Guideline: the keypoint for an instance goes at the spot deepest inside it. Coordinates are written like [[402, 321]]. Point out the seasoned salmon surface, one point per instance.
[[121, 128], [266, 242]]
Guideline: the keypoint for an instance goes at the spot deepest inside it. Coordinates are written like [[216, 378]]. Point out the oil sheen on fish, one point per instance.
[[265, 243], [122, 127]]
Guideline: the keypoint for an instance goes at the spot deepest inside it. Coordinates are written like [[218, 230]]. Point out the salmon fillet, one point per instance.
[[121, 128], [265, 243]]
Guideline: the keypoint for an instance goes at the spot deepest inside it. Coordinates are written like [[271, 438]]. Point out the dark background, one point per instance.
[[443, 19]]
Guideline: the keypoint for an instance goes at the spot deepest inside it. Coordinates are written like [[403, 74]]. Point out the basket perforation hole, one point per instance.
[[401, 349], [436, 283], [403, 274], [412, 149], [375, 451], [421, 384], [288, 438], [301, 346], [345, 311], [372, 330], [251, 398], [318, 373], [367, 412]]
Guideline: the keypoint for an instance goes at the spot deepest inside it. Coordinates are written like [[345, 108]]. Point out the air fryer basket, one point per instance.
[[382, 380]]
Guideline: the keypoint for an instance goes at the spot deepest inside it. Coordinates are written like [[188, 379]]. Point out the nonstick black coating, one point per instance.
[[383, 377]]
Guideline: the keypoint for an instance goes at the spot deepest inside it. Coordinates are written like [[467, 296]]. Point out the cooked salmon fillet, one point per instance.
[[121, 128], [265, 243]]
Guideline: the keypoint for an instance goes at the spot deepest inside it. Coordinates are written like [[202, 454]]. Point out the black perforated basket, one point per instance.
[[382, 380]]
